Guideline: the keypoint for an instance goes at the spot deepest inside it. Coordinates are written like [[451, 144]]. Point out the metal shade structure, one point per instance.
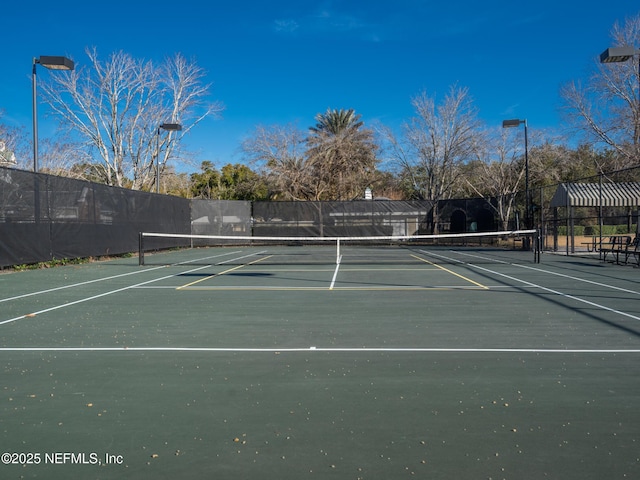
[[593, 195], [170, 127], [597, 195], [52, 63]]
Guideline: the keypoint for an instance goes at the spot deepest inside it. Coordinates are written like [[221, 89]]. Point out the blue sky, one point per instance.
[[284, 61]]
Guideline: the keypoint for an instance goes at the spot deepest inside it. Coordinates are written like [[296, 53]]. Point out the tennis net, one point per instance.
[[326, 250]]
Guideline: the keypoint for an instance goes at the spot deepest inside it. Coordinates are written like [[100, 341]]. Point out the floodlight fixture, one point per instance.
[[512, 123], [170, 127], [55, 63], [52, 63], [173, 127], [618, 54]]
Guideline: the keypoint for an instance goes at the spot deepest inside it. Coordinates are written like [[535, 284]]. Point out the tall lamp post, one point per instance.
[[517, 123], [170, 127], [616, 55], [52, 63]]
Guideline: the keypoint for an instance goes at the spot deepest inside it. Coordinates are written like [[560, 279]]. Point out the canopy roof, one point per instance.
[[596, 195]]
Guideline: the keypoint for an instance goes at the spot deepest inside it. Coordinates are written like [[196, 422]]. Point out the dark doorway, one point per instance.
[[458, 222]]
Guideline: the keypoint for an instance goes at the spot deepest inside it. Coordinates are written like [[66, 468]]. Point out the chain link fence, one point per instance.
[[575, 216]]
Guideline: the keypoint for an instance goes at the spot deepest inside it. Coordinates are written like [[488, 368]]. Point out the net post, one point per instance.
[[140, 249], [537, 246]]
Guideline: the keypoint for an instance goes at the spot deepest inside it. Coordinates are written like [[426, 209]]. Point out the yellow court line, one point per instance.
[[484, 287], [223, 272]]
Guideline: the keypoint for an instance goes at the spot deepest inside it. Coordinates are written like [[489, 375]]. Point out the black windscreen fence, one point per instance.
[[339, 219], [45, 217]]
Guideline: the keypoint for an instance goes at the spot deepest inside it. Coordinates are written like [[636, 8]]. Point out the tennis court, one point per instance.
[[279, 362]]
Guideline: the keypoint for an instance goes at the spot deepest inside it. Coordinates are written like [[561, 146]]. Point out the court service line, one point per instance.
[[322, 349], [80, 284], [550, 290]]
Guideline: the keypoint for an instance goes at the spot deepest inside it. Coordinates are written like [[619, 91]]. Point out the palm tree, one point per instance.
[[335, 122], [341, 154]]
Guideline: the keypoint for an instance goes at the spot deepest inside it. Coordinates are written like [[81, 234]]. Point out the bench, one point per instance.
[[615, 245], [633, 251]]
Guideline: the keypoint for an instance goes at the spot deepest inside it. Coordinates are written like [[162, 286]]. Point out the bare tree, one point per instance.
[[14, 146], [497, 172], [61, 156], [116, 107], [278, 151], [607, 108], [435, 143]]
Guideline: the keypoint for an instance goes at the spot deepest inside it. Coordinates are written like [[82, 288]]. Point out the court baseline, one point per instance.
[[276, 350]]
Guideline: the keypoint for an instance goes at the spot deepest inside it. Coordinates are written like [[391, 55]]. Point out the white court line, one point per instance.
[[604, 285], [578, 279], [82, 300], [93, 297], [531, 284], [320, 349], [49, 290], [335, 275]]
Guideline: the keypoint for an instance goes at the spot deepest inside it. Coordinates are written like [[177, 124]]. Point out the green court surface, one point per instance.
[[279, 363]]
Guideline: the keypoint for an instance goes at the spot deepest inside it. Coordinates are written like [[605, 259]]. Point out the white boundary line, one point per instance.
[[17, 297], [40, 292], [578, 279], [531, 284], [104, 294], [335, 276], [318, 349]]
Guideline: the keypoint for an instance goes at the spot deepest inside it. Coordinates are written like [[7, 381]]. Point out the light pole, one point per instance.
[[52, 63], [517, 123], [170, 127]]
